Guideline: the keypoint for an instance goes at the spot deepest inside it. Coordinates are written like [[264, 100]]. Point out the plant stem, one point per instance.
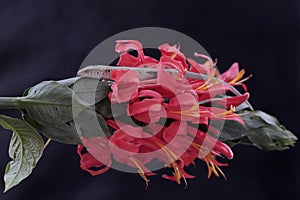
[[9, 102]]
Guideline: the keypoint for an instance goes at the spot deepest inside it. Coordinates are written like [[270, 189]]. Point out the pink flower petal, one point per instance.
[[125, 87], [231, 73]]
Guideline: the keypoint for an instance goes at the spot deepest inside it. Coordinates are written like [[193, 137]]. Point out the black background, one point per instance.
[[43, 40]]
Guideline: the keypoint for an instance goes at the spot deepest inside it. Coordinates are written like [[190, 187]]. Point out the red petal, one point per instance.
[[165, 79], [182, 102], [174, 130], [182, 171], [149, 61], [144, 106], [198, 68], [223, 149], [173, 52], [172, 63], [128, 60], [233, 101], [148, 94], [125, 45], [125, 87], [231, 73], [87, 161], [189, 157]]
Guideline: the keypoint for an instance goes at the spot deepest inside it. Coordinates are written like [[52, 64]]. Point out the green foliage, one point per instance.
[[261, 130], [49, 106], [25, 150]]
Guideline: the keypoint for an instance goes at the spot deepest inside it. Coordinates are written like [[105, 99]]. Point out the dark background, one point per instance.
[[43, 40]]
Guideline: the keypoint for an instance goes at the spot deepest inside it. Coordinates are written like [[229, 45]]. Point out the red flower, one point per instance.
[[171, 109], [125, 87], [198, 68], [88, 162], [146, 106], [123, 46], [173, 52], [234, 77]]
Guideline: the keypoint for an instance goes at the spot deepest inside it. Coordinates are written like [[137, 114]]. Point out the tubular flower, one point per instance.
[[167, 119], [173, 54], [234, 76]]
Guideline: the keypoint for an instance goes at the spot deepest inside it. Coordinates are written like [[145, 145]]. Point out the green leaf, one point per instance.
[[25, 150], [69, 82], [65, 132], [271, 138], [90, 123], [104, 108], [266, 133], [49, 101], [90, 91], [232, 130], [269, 119], [262, 130], [49, 106]]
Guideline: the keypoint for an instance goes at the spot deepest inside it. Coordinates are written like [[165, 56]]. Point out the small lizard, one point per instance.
[[104, 72]]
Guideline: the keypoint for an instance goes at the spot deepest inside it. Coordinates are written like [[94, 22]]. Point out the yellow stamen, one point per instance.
[[219, 169], [193, 111], [172, 158], [207, 64], [209, 169], [212, 168], [226, 113], [171, 155], [212, 84], [238, 77], [173, 56], [202, 149], [176, 173], [140, 171], [240, 114], [245, 79], [211, 76]]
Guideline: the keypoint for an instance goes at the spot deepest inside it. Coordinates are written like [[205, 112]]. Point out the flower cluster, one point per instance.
[[170, 118]]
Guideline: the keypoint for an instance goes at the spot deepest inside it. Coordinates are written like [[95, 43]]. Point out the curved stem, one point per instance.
[[9, 102]]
